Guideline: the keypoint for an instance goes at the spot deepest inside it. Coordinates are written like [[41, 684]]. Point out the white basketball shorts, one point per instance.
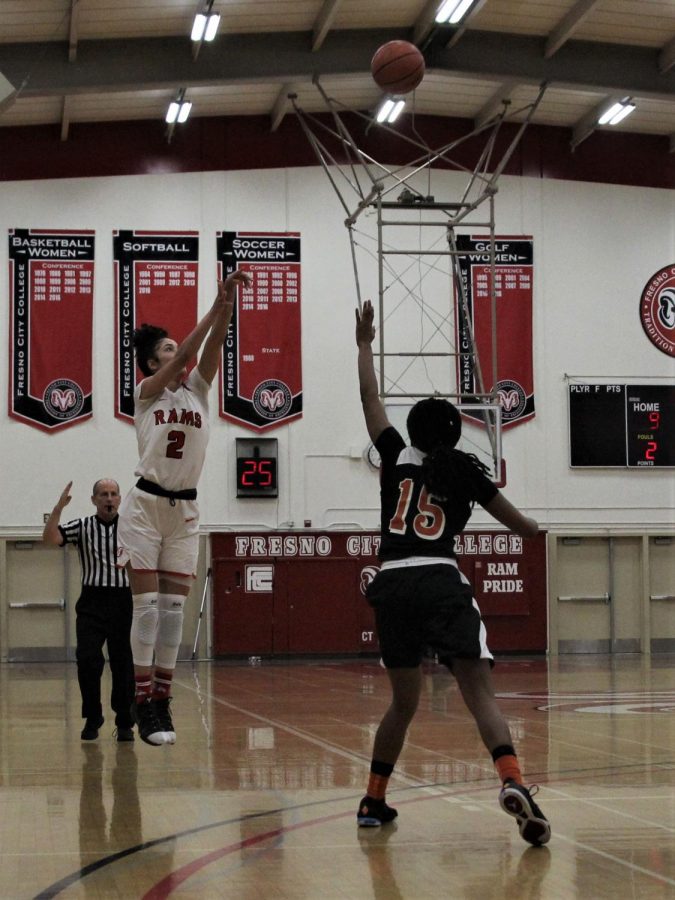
[[155, 536]]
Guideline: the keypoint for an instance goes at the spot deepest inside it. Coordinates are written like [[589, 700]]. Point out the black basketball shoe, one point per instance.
[[164, 715], [516, 800], [373, 813], [149, 727]]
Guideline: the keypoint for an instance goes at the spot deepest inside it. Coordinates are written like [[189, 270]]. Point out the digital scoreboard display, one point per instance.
[[622, 425], [257, 467]]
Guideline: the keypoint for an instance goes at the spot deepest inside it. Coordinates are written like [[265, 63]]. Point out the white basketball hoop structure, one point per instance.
[[419, 353]]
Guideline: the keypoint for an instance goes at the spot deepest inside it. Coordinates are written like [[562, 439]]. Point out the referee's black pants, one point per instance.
[[103, 615]]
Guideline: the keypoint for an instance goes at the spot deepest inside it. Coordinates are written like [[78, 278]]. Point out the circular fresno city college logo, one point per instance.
[[512, 399], [272, 399], [367, 575], [63, 399], [657, 309]]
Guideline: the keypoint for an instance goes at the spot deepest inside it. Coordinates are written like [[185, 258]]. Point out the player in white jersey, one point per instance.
[[159, 519]]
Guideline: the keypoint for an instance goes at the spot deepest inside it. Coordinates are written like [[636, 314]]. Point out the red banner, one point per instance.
[[155, 282], [261, 372], [513, 273], [51, 289]]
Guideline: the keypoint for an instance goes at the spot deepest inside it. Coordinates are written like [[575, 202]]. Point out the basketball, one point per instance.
[[397, 67]]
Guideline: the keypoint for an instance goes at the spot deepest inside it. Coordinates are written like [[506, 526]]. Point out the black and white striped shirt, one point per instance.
[[96, 543]]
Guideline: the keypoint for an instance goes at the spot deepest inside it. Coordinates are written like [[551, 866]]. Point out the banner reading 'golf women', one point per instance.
[[51, 284], [513, 274], [261, 372], [155, 283]]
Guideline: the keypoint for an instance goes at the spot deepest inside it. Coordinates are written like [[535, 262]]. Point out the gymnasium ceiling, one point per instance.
[[73, 61]]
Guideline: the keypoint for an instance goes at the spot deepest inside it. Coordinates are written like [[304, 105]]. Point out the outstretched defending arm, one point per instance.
[[51, 533], [506, 513], [373, 409]]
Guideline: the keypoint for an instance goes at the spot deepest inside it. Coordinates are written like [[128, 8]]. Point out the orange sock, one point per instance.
[[507, 768], [377, 786]]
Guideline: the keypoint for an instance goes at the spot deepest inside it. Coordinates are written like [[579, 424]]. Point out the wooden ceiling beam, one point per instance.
[[667, 57], [72, 30], [65, 118], [568, 25], [282, 105], [324, 22]]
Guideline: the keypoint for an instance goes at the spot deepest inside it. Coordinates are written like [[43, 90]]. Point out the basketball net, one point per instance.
[[403, 242]]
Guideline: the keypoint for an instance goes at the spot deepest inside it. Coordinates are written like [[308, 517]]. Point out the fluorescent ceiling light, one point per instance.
[[212, 27], [622, 113], [184, 112], [172, 112], [178, 111], [451, 11], [198, 27], [617, 112], [390, 109], [204, 27]]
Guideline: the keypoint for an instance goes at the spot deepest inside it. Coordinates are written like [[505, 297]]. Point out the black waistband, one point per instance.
[[151, 488]]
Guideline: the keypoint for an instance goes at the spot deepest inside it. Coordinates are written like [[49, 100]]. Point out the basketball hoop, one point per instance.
[[421, 291]]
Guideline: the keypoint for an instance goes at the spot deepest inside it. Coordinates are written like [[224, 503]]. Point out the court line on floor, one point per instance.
[[430, 791]]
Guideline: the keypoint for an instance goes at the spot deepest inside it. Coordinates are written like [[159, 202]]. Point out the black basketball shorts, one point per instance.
[[426, 606]]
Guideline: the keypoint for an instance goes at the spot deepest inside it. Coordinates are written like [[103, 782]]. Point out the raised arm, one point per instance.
[[224, 306], [186, 351], [51, 533], [373, 409], [506, 513]]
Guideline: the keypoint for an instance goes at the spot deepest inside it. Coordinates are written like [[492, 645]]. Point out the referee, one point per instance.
[[103, 610]]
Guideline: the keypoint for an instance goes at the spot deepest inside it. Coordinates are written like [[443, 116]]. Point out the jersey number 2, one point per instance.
[[430, 519], [174, 449]]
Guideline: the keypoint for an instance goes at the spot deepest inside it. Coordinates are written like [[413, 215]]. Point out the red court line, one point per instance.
[[169, 884]]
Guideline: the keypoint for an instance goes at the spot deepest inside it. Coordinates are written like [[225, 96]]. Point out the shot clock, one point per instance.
[[257, 467], [622, 425]]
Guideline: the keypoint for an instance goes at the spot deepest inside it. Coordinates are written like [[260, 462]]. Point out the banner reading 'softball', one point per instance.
[[51, 289], [514, 378], [261, 371], [156, 283]]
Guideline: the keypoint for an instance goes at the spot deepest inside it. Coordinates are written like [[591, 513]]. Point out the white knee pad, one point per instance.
[[169, 630], [144, 628]]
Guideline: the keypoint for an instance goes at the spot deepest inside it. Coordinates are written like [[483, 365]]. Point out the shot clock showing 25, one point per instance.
[[257, 467]]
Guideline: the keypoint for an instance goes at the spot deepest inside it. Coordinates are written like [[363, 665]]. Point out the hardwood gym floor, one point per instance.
[[258, 796]]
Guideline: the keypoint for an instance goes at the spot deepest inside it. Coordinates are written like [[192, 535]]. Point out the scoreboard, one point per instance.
[[622, 425]]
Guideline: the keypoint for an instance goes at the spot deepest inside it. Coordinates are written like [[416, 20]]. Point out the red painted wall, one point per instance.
[[294, 593], [245, 142]]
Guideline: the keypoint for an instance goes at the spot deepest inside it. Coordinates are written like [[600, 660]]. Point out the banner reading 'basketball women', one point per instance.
[[155, 282], [51, 286], [513, 273], [261, 371]]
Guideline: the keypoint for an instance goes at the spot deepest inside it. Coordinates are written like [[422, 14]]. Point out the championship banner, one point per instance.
[[155, 283], [51, 289], [513, 273], [261, 374]]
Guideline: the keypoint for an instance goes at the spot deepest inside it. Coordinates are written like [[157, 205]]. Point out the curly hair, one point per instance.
[[435, 427], [145, 340]]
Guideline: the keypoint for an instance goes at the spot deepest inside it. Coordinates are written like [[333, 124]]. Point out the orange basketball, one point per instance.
[[397, 67]]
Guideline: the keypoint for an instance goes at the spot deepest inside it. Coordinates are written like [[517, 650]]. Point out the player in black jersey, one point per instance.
[[420, 598]]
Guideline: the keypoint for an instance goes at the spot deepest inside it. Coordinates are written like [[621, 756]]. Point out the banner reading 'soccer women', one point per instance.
[[51, 288], [261, 374], [155, 283], [513, 273]]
